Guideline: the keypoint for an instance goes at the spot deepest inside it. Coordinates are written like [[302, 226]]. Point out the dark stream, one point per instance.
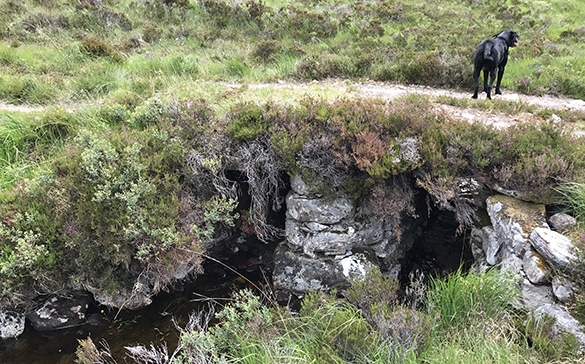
[[152, 324]]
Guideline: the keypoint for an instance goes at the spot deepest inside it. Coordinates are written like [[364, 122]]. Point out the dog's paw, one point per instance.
[[498, 92], [474, 97]]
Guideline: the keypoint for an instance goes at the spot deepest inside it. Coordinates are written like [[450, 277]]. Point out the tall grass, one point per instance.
[[573, 196], [329, 330], [464, 298]]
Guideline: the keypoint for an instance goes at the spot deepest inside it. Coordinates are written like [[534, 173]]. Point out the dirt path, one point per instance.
[[389, 91]]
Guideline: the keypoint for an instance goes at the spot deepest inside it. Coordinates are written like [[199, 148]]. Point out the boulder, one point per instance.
[[133, 297], [513, 221], [564, 322], [477, 245], [11, 324], [300, 187], [535, 267], [59, 312], [556, 248], [533, 296], [315, 238], [562, 221], [563, 289]]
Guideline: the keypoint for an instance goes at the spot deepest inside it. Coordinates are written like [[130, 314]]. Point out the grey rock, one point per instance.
[[300, 187], [11, 324], [556, 248], [564, 322], [514, 265], [297, 273], [562, 221], [563, 289], [356, 265], [468, 186], [132, 297], [329, 240], [183, 271], [59, 312], [533, 296], [489, 242], [513, 221], [304, 209], [477, 245], [535, 267]]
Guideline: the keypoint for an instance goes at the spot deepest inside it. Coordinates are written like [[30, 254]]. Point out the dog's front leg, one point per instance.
[[499, 80], [485, 80]]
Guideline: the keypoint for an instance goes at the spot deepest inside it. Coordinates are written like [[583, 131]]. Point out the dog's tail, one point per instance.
[[487, 52]]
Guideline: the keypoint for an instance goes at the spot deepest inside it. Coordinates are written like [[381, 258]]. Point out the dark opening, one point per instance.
[[437, 250]]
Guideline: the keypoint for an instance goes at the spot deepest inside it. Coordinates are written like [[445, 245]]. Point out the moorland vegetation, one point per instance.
[[124, 170]]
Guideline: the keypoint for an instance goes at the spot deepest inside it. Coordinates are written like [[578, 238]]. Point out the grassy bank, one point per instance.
[[62, 52], [142, 187], [464, 318]]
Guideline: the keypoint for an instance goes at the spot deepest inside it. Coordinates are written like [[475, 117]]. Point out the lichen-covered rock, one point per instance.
[[563, 289], [564, 323], [59, 312], [513, 221], [315, 238], [303, 209], [556, 248], [535, 267], [539, 197], [11, 324], [297, 273], [562, 221]]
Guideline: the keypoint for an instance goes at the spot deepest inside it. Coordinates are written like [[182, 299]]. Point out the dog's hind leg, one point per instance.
[[499, 80], [489, 88]]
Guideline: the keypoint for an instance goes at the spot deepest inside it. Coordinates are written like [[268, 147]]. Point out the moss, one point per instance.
[[528, 215]]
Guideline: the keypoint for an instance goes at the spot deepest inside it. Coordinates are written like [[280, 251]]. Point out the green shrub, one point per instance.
[[149, 113], [247, 122], [267, 51], [151, 34], [115, 115], [96, 47]]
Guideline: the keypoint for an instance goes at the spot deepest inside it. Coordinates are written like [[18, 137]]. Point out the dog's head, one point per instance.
[[510, 36]]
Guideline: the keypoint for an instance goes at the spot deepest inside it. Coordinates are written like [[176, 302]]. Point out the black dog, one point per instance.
[[492, 54]]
